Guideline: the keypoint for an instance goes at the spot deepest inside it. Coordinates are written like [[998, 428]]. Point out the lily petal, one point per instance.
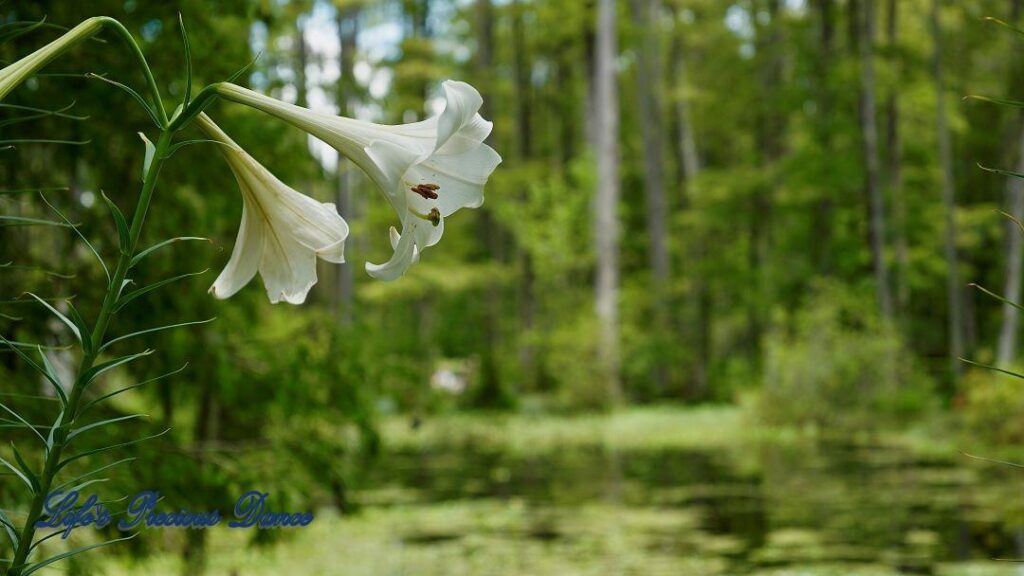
[[427, 170], [282, 234], [245, 257]]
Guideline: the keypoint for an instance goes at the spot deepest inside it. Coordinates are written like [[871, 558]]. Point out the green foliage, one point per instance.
[[991, 404], [838, 366]]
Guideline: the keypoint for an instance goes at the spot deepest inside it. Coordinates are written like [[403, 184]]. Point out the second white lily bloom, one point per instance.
[[427, 170], [282, 231]]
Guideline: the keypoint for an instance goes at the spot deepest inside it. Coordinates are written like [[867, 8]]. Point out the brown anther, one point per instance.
[[427, 191], [435, 216]]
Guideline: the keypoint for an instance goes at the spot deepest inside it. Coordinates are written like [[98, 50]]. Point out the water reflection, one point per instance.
[[735, 511]]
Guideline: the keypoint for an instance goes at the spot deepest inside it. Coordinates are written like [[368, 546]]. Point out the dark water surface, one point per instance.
[[760, 506]]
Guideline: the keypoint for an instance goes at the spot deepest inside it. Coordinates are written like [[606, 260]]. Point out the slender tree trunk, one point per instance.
[[869, 132], [521, 65], [771, 141], [853, 25], [822, 227], [490, 232], [1007, 347], [688, 164], [301, 61], [894, 146], [949, 202], [348, 32], [647, 15], [606, 220]]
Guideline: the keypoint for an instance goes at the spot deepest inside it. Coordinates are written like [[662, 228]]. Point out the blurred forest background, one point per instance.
[[718, 225]]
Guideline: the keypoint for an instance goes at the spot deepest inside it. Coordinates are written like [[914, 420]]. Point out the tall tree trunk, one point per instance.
[[1008, 332], [688, 168], [771, 130], [606, 220], [647, 15], [822, 226], [869, 133], [1007, 348], [490, 232], [953, 286], [521, 67], [525, 289], [301, 61], [348, 32], [894, 146]]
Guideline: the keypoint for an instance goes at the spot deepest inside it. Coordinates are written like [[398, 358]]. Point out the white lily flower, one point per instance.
[[427, 170], [282, 233], [17, 72]]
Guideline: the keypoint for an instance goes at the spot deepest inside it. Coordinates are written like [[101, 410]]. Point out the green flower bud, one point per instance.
[[21, 70]]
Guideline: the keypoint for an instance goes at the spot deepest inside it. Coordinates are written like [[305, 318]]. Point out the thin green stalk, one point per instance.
[[67, 419], [137, 52]]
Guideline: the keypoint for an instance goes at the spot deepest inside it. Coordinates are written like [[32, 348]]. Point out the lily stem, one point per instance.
[[154, 91], [66, 420]]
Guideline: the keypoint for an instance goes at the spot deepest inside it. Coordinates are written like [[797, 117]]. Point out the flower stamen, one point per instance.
[[434, 216], [427, 191]]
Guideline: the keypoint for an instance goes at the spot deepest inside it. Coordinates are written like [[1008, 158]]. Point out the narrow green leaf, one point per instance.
[[122, 225], [151, 330], [33, 545], [1004, 24], [91, 472], [13, 191], [127, 298], [996, 296], [995, 100], [94, 451], [150, 152], [96, 371], [23, 421], [133, 386], [980, 365], [70, 553], [12, 142], [24, 221], [67, 321], [13, 30], [131, 92], [26, 469], [83, 328], [59, 112], [243, 69], [80, 235], [51, 371], [38, 113], [94, 425], [53, 429], [138, 257], [1002, 172], [28, 396], [184, 143], [188, 60], [19, 474], [28, 359], [34, 345], [1014, 219], [10, 528]]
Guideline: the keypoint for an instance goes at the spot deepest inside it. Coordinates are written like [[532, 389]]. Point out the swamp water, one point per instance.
[[661, 492]]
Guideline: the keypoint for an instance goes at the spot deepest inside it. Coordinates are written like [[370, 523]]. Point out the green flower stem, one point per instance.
[[201, 101], [154, 91], [16, 73], [67, 418]]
